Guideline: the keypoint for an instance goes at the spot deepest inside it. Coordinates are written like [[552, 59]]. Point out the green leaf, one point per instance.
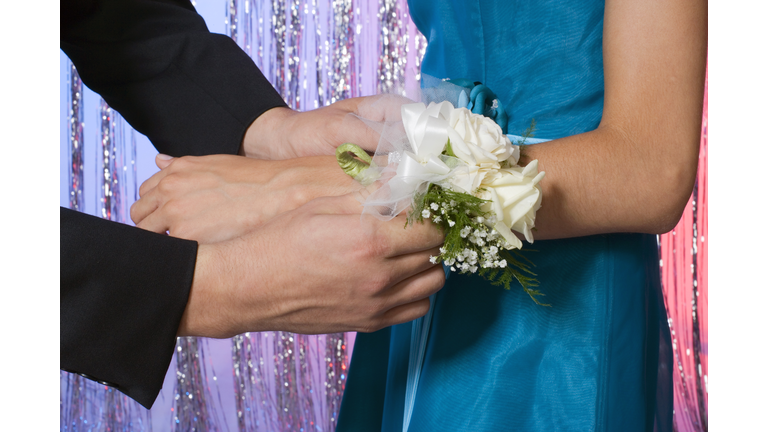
[[448, 149]]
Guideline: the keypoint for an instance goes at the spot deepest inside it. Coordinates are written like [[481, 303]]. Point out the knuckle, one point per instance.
[[134, 213], [300, 195], [422, 308], [166, 184], [173, 209], [181, 230], [437, 278], [379, 245], [378, 282], [379, 307], [182, 163], [370, 327], [170, 183]]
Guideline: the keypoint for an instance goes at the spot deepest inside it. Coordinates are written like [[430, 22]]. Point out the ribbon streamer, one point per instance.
[[419, 334], [355, 168]]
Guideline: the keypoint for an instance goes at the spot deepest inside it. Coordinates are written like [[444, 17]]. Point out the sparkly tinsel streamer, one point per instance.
[[192, 410], [342, 59], [247, 27], [232, 23], [401, 48], [75, 140], [684, 278], [393, 43], [73, 416], [89, 406], [279, 33], [335, 352], [254, 400], [111, 166]]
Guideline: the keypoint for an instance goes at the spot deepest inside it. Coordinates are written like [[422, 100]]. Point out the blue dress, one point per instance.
[[599, 358]]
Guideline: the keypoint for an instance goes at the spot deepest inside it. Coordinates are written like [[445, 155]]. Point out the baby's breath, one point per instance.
[[471, 245]]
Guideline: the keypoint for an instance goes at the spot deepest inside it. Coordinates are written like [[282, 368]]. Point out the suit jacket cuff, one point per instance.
[[123, 293]]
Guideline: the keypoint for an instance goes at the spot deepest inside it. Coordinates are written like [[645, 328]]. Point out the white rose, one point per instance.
[[481, 136], [479, 142], [515, 196]]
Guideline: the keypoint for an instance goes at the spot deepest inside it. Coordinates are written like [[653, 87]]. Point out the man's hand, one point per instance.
[[282, 133], [216, 198], [320, 268]]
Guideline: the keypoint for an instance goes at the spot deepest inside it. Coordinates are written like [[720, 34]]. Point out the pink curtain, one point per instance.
[[684, 280]]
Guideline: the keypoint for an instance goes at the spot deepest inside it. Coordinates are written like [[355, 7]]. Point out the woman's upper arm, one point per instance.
[[635, 172], [654, 54]]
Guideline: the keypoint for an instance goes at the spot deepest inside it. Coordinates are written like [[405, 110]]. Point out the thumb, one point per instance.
[[163, 160]]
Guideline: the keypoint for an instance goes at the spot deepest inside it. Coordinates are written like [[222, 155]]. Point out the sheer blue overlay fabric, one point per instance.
[[599, 358]]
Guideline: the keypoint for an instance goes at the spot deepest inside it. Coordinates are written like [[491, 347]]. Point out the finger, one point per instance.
[[152, 182], [405, 266], [365, 133], [155, 222], [165, 170], [145, 205], [416, 287], [163, 160], [405, 313], [392, 237], [402, 240]]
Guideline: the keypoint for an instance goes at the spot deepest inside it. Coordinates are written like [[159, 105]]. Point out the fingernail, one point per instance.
[[164, 156]]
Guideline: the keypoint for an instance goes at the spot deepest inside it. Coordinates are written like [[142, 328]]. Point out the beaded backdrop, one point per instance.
[[314, 52]]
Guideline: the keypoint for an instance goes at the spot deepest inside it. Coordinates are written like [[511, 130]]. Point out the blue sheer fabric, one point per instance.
[[599, 358]]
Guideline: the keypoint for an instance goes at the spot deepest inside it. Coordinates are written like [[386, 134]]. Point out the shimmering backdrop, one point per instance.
[[314, 52]]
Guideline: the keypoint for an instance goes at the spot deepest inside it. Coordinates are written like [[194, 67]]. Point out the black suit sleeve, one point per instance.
[[191, 92], [123, 290]]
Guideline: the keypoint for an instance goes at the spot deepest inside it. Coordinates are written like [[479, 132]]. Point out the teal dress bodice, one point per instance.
[[599, 358]]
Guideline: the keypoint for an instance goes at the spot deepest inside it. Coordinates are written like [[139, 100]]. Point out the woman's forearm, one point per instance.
[[604, 181]]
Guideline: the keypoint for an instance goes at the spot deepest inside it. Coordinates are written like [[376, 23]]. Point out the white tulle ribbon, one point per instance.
[[417, 161], [427, 132]]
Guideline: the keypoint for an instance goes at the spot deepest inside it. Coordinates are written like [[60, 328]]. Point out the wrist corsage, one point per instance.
[[459, 170]]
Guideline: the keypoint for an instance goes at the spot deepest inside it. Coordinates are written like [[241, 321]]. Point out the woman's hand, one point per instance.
[[282, 133], [220, 197]]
